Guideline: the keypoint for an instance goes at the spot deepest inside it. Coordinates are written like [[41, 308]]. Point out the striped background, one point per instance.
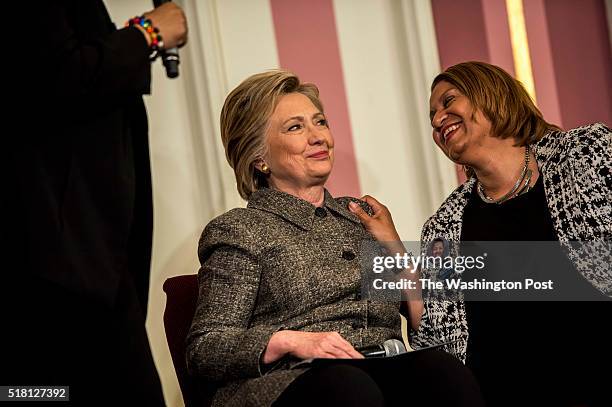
[[561, 48], [373, 61]]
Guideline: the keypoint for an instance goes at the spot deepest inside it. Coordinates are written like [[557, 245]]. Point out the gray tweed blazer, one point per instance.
[[278, 264]]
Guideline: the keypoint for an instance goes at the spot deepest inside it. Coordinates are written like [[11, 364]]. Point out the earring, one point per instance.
[[265, 169]]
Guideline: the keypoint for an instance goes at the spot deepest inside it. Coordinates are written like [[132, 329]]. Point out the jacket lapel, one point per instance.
[[295, 210], [289, 207], [558, 183], [446, 223], [339, 207]]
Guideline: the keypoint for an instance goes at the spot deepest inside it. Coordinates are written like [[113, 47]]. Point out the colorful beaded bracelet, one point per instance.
[[157, 43]]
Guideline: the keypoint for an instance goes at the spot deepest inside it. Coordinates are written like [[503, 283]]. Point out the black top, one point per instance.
[[78, 207], [525, 217], [525, 336]]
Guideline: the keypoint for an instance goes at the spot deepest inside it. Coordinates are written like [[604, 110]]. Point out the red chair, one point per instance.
[[182, 296]]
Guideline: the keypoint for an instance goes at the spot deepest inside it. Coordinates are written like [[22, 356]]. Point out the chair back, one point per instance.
[[181, 299]]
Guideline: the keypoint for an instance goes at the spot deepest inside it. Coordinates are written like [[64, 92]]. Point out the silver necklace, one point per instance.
[[520, 187]]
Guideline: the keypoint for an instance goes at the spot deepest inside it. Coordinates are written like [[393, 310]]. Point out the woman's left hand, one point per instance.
[[380, 224]]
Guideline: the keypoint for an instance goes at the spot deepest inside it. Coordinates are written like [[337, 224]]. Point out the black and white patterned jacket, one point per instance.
[[576, 167]]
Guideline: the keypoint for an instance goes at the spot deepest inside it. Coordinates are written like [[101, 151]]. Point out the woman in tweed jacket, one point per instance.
[[280, 279], [483, 119]]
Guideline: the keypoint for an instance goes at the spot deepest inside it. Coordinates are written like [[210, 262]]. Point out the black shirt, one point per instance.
[[529, 337]]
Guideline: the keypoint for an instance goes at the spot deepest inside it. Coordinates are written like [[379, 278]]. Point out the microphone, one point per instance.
[[170, 56], [390, 347]]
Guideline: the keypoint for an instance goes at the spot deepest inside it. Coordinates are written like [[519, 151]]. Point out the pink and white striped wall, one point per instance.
[[311, 50], [569, 46], [361, 79], [568, 42]]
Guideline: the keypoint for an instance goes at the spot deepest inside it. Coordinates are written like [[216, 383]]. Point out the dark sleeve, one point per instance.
[[222, 344], [80, 58]]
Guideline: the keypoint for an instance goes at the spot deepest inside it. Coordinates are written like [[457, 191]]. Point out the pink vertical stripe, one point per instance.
[[580, 44], [308, 45], [569, 47], [498, 34], [460, 31], [542, 61], [462, 36]]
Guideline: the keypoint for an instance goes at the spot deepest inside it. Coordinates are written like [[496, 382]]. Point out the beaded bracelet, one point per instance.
[[157, 43]]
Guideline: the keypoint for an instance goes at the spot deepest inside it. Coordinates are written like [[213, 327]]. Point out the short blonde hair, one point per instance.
[[502, 99], [245, 119]]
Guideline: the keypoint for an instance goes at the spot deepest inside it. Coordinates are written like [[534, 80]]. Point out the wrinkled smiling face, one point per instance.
[[300, 145], [458, 128]]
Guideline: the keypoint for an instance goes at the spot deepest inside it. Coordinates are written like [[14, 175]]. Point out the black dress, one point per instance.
[[77, 208], [549, 352]]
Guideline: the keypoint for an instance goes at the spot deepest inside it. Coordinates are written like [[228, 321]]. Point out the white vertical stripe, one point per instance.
[[387, 69], [246, 31], [233, 39], [424, 66]]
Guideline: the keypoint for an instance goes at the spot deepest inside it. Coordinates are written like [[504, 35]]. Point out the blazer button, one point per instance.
[[321, 212], [357, 297], [348, 255]]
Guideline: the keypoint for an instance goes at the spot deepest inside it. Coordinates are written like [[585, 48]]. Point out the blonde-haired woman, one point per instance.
[[280, 280]]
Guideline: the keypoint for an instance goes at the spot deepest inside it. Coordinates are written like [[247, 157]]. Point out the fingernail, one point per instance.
[[352, 206]]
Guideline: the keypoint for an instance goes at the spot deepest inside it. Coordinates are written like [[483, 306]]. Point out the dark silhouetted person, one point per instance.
[[77, 205]]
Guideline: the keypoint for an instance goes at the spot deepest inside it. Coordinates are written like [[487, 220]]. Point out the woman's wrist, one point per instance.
[[145, 33], [152, 35], [278, 346], [395, 246]]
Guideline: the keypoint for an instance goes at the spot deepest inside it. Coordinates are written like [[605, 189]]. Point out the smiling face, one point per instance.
[[458, 129], [437, 249], [300, 147]]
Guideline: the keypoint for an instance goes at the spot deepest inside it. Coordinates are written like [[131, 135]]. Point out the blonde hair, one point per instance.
[[245, 120], [502, 99]]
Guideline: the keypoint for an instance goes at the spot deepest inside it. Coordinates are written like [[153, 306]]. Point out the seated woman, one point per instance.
[[527, 181], [280, 279]]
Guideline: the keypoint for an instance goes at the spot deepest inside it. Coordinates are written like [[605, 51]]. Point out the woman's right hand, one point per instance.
[[306, 345], [171, 22]]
